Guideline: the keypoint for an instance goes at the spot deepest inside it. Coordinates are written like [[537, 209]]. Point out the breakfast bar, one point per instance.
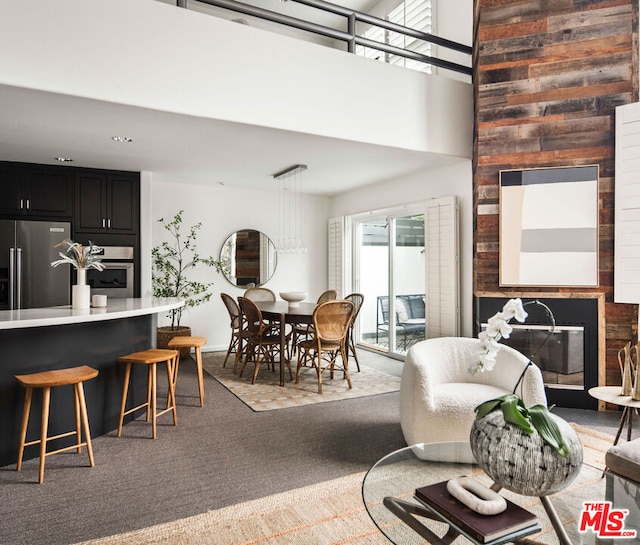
[[35, 340]]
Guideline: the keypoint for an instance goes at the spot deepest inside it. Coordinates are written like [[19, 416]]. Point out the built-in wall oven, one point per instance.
[[118, 277]]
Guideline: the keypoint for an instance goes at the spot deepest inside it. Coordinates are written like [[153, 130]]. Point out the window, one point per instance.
[[414, 14]]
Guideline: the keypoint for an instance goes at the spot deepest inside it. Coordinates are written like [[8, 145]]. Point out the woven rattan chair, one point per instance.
[[238, 332], [260, 294], [262, 343], [330, 327], [304, 331], [357, 299]]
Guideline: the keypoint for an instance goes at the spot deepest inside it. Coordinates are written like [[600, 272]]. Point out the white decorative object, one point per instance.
[[82, 258], [80, 296], [98, 300], [476, 496], [293, 297]]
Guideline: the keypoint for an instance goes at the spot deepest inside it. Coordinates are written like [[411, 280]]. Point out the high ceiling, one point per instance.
[[37, 126]]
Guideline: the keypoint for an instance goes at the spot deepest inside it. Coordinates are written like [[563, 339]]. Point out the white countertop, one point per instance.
[[116, 308]]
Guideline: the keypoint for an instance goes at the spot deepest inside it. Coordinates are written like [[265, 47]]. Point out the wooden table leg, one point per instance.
[[283, 338], [625, 411]]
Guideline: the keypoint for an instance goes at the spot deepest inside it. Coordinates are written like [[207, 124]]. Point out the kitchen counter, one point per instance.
[[115, 309], [35, 340]]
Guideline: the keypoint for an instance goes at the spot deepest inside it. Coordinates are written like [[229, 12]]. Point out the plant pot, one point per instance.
[[522, 462], [166, 333]]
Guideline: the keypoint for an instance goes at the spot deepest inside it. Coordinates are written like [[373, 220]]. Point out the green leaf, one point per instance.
[[487, 407], [516, 413], [548, 429]]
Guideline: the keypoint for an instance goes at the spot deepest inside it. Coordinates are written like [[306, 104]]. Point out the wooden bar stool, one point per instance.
[[151, 358], [46, 380], [196, 343]]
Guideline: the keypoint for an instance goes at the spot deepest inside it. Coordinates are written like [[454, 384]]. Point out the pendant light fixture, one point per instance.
[[290, 239]]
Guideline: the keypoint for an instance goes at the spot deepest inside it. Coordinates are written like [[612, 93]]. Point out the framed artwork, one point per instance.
[[549, 227]]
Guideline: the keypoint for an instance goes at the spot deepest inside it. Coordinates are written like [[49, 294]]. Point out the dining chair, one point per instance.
[[304, 331], [330, 327], [259, 294], [357, 299], [263, 344], [239, 333]]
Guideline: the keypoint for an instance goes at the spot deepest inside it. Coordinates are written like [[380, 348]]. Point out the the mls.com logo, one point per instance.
[[602, 519]]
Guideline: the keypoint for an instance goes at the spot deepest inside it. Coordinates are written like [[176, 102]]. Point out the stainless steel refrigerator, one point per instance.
[[27, 279]]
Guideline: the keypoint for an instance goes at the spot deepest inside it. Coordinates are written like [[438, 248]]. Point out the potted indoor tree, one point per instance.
[[172, 261]]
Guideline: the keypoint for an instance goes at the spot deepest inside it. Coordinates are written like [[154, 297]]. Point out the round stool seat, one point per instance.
[[57, 377], [192, 342]]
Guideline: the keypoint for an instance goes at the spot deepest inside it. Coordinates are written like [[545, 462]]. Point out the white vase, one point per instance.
[[81, 292], [81, 277]]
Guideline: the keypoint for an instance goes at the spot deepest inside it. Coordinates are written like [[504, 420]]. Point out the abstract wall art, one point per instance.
[[549, 227]]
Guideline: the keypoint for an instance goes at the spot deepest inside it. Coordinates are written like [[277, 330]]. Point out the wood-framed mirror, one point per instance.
[[249, 258]]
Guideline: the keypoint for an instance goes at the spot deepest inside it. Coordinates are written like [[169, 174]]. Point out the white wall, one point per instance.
[[181, 61], [453, 180], [223, 210]]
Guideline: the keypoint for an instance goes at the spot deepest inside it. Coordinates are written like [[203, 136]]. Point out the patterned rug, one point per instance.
[[266, 394]]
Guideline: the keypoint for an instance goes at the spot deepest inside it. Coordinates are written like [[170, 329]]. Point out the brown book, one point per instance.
[[484, 528]]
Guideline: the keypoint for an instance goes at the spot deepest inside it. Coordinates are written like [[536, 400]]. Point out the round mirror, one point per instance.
[[248, 258]]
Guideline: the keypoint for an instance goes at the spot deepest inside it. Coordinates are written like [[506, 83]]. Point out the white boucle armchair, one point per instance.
[[438, 394]]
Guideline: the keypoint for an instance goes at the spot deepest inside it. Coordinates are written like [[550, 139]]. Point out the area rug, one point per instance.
[[266, 394], [329, 513]]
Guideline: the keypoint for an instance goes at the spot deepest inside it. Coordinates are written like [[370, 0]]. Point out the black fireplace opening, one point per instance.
[[569, 358]]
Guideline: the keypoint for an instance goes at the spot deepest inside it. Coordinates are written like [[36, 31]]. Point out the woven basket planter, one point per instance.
[[520, 461], [166, 333]]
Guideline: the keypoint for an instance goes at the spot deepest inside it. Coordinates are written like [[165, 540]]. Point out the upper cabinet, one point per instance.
[[107, 202], [37, 191]]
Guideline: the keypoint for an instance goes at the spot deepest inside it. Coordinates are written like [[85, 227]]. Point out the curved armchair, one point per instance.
[[438, 394]]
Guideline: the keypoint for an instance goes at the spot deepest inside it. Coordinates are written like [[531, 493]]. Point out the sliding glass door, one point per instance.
[[390, 272]]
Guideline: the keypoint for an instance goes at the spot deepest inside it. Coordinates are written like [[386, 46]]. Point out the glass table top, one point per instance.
[[398, 474]]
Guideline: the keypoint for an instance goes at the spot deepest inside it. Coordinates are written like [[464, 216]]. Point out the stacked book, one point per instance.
[[512, 523]]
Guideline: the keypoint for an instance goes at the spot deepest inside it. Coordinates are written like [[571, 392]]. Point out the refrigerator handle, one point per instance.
[[19, 278], [12, 268]]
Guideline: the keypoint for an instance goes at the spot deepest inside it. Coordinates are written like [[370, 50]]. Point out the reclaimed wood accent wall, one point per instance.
[[548, 75]]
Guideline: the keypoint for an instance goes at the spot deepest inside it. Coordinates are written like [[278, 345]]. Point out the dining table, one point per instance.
[[283, 313]]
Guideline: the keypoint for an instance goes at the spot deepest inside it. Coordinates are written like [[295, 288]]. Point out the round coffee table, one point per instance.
[[388, 493], [611, 394]]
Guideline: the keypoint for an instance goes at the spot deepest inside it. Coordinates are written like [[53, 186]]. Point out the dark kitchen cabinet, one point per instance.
[[37, 191], [107, 202]]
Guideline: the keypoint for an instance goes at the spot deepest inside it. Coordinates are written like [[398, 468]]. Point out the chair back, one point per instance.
[[260, 294], [357, 299], [331, 320], [252, 315], [233, 309], [329, 295]]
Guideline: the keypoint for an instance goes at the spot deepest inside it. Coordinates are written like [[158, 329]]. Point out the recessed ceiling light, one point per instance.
[[121, 139], [64, 159]]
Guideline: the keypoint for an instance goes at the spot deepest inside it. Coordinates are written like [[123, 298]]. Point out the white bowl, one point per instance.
[[293, 297]]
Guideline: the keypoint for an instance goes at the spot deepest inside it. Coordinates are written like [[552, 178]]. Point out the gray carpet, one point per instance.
[[218, 455]]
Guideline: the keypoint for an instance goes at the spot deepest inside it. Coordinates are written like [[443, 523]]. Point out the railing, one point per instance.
[[350, 37]]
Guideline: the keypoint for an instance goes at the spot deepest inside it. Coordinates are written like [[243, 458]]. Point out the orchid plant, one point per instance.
[[512, 407], [497, 328], [81, 257]]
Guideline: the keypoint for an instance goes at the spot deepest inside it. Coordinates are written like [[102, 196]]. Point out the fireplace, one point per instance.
[[569, 358]]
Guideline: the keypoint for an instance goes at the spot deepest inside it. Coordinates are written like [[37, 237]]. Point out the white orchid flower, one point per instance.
[[497, 328], [514, 309]]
